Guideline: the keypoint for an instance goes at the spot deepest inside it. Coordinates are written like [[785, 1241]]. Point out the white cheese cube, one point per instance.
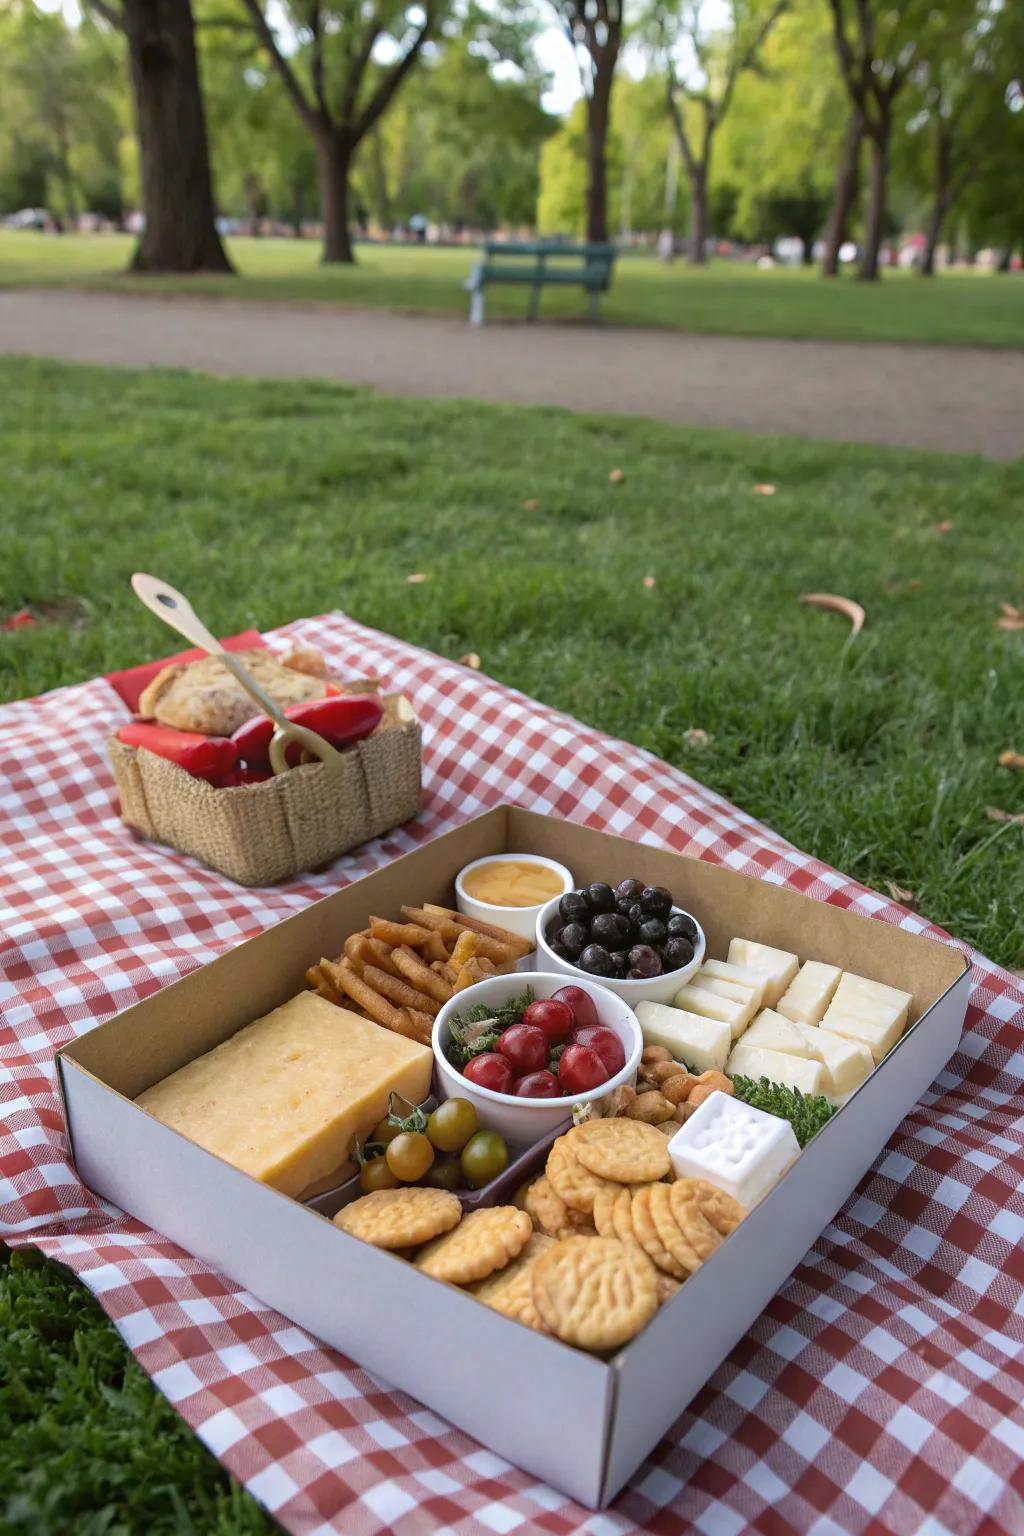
[[868, 1011], [809, 994], [741, 975], [847, 1062], [772, 1032], [702, 1044], [739, 1148], [778, 965], [777, 1067], [878, 1035], [710, 1005]]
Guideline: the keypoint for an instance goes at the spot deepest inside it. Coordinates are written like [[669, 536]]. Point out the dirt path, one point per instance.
[[964, 400]]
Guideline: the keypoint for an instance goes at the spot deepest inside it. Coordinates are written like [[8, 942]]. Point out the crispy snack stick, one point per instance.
[[474, 971], [471, 944], [513, 941], [362, 951], [434, 949], [376, 1006], [398, 933], [421, 976], [398, 991], [448, 930], [423, 1022]]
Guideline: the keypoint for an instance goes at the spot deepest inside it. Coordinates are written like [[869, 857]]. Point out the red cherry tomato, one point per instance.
[[489, 1070], [581, 1069], [538, 1085], [553, 1016], [581, 1004], [525, 1046], [607, 1045]]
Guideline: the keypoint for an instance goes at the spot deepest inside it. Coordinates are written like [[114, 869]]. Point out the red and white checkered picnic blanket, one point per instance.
[[881, 1390]]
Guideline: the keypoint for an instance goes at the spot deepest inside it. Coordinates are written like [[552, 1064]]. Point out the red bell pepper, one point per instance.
[[340, 719], [205, 757]]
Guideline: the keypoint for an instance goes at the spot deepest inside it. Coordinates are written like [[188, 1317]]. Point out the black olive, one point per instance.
[[677, 953], [644, 961], [574, 908], [595, 960], [629, 890], [574, 938], [656, 901], [682, 926], [600, 897], [612, 930], [652, 931]]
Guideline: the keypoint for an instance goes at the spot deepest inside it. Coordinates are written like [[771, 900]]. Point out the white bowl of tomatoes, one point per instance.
[[548, 1046]]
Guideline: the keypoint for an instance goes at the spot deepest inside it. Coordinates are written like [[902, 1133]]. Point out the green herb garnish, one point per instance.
[[468, 1039], [806, 1113]]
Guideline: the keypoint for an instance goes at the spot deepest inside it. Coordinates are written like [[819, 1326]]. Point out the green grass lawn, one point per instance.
[[956, 308], [264, 501]]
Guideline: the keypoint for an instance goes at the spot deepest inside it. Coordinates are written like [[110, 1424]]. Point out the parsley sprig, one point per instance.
[[806, 1113], [469, 1038]]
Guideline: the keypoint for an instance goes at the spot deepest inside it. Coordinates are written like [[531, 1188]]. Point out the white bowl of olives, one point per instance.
[[632, 939]]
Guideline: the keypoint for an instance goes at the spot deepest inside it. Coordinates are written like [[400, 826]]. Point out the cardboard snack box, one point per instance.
[[580, 1422]]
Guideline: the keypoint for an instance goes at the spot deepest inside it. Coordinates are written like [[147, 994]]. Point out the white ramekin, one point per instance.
[[518, 920]]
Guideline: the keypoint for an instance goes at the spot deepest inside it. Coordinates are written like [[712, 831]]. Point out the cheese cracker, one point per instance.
[[400, 1218], [484, 1241]]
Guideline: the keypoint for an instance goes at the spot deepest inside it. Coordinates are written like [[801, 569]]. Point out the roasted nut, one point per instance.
[[683, 1111], [678, 1088], [712, 1080], [659, 1071], [651, 1107], [621, 1099], [667, 1127], [655, 1053]]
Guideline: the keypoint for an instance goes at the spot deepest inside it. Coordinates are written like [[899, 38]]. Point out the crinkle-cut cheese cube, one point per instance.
[[847, 1063], [778, 965], [285, 1097], [810, 992], [738, 1148], [772, 1032], [868, 1011], [702, 1044], [710, 1005], [777, 1067], [741, 975]]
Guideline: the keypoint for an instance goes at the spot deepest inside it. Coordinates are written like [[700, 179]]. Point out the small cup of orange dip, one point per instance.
[[509, 889]]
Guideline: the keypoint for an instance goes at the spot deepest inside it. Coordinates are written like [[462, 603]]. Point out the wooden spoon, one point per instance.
[[178, 613]]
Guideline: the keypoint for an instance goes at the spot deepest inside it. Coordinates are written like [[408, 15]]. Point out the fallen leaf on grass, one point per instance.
[[945, 526], [1012, 618], [695, 737], [617, 476], [416, 579], [844, 605], [901, 894], [995, 814], [531, 505], [20, 620], [1011, 760], [913, 584], [649, 582], [470, 660], [764, 490]]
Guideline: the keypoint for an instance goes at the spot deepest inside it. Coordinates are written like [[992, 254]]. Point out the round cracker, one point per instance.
[[672, 1236], [625, 1151], [701, 1211], [648, 1236], [510, 1290], [485, 1240], [596, 1293], [400, 1218], [571, 1181]]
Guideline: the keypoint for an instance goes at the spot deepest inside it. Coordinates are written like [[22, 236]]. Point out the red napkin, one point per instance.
[[131, 683]]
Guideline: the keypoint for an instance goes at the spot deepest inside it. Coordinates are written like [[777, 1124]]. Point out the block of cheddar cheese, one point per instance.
[[285, 1097]]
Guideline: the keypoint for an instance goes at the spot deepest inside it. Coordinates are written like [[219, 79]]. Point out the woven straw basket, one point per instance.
[[260, 833]]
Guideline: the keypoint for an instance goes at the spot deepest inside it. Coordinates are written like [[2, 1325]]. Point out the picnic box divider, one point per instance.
[[580, 1422]]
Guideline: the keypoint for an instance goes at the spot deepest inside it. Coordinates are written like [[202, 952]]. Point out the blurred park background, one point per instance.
[[830, 192]]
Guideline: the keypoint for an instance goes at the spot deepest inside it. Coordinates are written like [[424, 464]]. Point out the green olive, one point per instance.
[[445, 1172], [484, 1156], [409, 1156], [376, 1175], [452, 1124]]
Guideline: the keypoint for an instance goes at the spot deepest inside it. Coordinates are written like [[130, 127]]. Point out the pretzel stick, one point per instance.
[[474, 971], [424, 1023], [412, 967], [399, 992], [378, 1008], [398, 933], [470, 943], [434, 948], [448, 930], [363, 951], [514, 941]]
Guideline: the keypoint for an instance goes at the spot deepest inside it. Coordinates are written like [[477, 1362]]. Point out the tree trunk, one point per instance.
[[696, 246], [333, 161], [597, 143], [844, 194], [940, 206], [177, 189], [874, 223]]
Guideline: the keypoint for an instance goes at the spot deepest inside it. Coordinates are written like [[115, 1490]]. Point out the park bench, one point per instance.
[[585, 266]]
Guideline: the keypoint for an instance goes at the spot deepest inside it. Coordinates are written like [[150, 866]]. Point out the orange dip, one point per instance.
[[512, 883]]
